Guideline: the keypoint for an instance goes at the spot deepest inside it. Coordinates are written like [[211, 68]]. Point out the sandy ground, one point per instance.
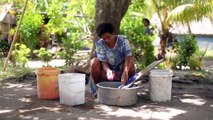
[[19, 101]]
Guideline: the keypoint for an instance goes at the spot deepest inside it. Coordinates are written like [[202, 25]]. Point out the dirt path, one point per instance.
[[194, 101], [18, 101]]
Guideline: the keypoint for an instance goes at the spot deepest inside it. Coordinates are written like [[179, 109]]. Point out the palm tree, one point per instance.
[[179, 11]]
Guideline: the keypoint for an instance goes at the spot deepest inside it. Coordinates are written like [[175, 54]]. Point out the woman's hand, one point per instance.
[[110, 74], [124, 78]]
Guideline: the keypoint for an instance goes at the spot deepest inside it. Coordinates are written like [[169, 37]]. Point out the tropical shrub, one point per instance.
[[57, 20], [72, 27], [195, 63], [20, 54], [12, 31], [30, 29], [44, 55], [185, 48], [142, 47], [71, 44], [132, 27]]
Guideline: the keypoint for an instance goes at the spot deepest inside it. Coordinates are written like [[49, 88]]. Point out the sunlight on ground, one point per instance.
[[51, 109], [34, 110], [28, 117], [5, 111], [24, 86], [193, 99], [83, 118], [26, 100], [53, 63], [144, 112]]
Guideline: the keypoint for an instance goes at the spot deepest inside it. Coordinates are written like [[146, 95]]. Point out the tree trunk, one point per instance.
[[111, 11], [166, 40], [163, 39]]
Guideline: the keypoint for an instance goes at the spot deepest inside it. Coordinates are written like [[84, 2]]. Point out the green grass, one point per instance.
[[12, 71]]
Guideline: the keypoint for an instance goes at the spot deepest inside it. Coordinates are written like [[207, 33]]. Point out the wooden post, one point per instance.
[[14, 38]]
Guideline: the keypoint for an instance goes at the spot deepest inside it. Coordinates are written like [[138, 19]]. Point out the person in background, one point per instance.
[[146, 24], [113, 61]]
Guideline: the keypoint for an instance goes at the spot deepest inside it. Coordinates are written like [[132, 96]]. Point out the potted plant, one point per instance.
[[47, 77], [44, 56]]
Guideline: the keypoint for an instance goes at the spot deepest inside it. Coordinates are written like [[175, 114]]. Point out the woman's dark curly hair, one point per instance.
[[104, 28]]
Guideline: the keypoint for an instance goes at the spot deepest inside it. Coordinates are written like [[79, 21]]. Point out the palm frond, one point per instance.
[[189, 12]]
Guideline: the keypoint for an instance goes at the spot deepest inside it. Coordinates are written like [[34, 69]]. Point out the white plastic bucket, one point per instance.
[[72, 88], [160, 85]]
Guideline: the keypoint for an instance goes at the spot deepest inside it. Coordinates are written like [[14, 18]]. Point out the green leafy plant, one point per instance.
[[142, 47], [30, 29], [45, 55], [194, 63], [12, 31], [71, 44], [185, 48], [56, 22], [132, 27], [20, 54]]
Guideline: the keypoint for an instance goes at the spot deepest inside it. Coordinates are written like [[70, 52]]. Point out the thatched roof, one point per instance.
[[5, 17], [204, 27], [2, 16]]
